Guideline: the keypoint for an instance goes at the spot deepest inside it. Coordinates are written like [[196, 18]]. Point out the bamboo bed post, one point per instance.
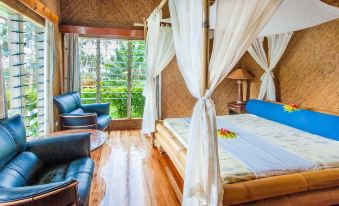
[[162, 4], [205, 46], [145, 29]]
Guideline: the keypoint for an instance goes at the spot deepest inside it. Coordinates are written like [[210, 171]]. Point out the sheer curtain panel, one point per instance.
[[71, 63], [277, 45], [49, 76], [2, 89], [237, 25], [160, 51]]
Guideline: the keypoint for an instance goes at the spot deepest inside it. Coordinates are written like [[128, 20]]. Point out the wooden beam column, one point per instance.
[[205, 46], [40, 8]]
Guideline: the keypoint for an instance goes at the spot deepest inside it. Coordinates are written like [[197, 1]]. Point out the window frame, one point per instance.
[[30, 71], [128, 69]]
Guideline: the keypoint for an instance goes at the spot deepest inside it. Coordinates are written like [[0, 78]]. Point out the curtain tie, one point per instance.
[[207, 98], [266, 75]]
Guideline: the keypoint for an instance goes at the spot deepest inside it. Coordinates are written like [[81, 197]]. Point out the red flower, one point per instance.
[[293, 105]]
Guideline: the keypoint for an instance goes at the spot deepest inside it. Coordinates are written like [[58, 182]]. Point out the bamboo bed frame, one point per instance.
[[305, 188]]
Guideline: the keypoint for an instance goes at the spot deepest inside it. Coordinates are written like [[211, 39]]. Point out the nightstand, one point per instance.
[[235, 108]]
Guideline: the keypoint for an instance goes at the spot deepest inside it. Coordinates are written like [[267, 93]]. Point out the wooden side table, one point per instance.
[[235, 108], [97, 137]]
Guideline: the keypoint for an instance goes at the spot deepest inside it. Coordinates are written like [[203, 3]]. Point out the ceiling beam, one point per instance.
[[103, 32], [40, 8]]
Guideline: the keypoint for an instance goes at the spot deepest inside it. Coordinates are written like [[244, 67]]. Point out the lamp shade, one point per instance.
[[240, 74]]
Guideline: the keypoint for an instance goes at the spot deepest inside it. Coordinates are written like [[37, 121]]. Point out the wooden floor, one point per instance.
[[128, 172]]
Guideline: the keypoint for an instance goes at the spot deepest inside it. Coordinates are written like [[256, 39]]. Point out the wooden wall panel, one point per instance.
[[308, 72], [107, 13]]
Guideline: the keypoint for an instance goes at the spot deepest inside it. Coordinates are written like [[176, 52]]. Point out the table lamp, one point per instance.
[[240, 75]]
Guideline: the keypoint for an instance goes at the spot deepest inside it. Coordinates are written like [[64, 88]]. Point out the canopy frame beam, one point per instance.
[[205, 46]]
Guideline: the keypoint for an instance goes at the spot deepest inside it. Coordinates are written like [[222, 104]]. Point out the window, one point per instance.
[[113, 71], [22, 47]]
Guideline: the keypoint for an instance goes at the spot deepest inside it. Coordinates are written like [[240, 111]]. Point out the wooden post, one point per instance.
[[162, 4], [205, 46], [38, 7], [145, 29], [98, 72], [129, 80]]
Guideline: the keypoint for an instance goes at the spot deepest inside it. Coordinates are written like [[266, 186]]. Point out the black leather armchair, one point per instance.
[[75, 115], [52, 171]]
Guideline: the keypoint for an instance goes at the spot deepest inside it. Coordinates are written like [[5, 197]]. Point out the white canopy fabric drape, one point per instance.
[[294, 15], [49, 76], [237, 25], [2, 89], [160, 51], [277, 45], [71, 63]]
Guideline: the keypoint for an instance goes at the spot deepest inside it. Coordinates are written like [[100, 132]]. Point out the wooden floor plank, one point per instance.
[[128, 172]]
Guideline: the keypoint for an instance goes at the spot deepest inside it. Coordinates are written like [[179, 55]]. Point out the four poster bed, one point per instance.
[[299, 183], [276, 158]]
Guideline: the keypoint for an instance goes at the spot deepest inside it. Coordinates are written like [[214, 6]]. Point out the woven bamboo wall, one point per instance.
[[107, 13], [178, 102], [308, 72]]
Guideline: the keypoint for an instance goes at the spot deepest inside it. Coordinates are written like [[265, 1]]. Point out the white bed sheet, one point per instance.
[[322, 151]]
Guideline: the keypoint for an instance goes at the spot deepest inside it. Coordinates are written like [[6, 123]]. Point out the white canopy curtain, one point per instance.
[[71, 63], [295, 15], [277, 45], [160, 51], [237, 25], [2, 89], [49, 76]]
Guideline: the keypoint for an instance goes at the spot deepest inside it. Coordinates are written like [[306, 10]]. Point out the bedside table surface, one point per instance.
[[234, 107]]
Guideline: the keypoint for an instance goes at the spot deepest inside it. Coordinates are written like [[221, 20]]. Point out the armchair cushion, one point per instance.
[[20, 171], [80, 170], [8, 147], [103, 121], [78, 111], [15, 126], [55, 173], [61, 149], [67, 102], [99, 109]]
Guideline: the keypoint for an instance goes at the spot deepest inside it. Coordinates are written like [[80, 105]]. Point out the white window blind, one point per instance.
[[22, 44]]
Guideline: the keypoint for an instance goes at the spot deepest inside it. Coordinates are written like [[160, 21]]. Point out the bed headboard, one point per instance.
[[322, 124]]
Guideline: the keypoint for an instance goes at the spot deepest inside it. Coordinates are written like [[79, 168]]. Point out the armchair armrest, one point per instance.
[[62, 148], [100, 109], [53, 194], [79, 121]]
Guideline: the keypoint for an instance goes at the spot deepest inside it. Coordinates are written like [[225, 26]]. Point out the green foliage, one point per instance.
[[117, 97], [138, 102]]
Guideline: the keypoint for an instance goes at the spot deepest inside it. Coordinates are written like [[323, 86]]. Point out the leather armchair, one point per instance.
[[49, 171], [75, 115]]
